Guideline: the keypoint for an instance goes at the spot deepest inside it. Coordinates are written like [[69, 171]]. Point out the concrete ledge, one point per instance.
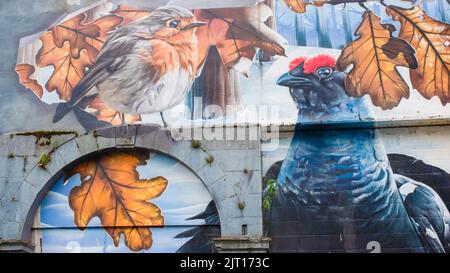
[[15, 246], [242, 245]]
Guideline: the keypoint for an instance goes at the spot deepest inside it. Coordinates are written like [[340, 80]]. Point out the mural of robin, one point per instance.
[[144, 67]]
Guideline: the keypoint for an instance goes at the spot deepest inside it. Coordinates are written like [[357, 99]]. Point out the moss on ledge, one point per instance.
[[46, 134]]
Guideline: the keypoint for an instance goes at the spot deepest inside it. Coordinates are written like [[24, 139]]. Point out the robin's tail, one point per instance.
[[63, 109]]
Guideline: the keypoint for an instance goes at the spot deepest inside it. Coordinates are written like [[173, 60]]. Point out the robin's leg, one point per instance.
[[122, 117], [174, 132], [163, 120]]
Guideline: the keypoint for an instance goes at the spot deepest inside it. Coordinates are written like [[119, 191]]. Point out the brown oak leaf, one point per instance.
[[68, 70], [299, 6], [87, 36], [375, 55], [130, 14], [71, 47], [237, 32], [25, 71], [111, 190], [431, 40]]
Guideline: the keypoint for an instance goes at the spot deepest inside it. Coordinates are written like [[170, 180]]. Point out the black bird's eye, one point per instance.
[[174, 23], [324, 72]]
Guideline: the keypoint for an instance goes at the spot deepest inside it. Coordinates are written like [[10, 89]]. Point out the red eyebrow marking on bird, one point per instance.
[[318, 61], [296, 62]]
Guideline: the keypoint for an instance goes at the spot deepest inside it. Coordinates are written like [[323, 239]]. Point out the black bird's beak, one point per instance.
[[290, 81], [194, 25]]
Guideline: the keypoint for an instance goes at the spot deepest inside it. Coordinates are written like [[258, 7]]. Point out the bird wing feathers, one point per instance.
[[427, 212], [98, 73], [111, 58], [130, 72]]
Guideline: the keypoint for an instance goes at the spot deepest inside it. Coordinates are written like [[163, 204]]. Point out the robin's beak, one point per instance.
[[194, 25], [291, 81]]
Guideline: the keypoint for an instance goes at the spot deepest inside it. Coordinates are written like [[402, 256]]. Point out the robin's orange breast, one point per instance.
[[164, 57]]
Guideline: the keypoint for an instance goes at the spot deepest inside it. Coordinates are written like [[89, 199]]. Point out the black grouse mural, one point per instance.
[[336, 189]]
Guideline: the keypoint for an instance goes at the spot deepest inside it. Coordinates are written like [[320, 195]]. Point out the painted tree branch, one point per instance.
[[299, 6], [338, 2]]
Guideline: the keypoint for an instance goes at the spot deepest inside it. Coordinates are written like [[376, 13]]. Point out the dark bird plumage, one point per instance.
[[336, 190], [200, 237]]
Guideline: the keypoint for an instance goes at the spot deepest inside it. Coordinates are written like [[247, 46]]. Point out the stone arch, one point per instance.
[[38, 181]]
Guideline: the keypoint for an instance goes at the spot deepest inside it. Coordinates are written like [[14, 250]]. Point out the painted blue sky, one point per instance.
[[333, 17]]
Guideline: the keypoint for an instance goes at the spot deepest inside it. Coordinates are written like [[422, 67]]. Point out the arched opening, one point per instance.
[[126, 201]]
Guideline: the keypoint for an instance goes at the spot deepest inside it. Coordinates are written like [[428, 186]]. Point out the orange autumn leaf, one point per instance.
[[431, 40], [87, 36], [299, 6], [375, 55], [237, 32], [68, 70], [130, 14], [111, 190], [25, 71], [71, 48], [104, 113]]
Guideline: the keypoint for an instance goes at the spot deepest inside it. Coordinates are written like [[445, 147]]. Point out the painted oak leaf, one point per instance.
[[111, 190], [130, 14], [299, 6], [25, 71], [85, 36], [67, 71], [375, 55], [71, 47], [236, 33], [431, 40]]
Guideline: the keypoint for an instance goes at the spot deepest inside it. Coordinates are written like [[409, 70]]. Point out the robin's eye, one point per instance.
[[174, 23], [324, 72]]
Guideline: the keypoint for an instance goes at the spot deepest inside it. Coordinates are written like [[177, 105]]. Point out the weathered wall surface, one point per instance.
[[233, 177]]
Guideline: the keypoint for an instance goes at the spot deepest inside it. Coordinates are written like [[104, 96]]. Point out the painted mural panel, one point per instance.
[[359, 190], [181, 63], [133, 201]]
